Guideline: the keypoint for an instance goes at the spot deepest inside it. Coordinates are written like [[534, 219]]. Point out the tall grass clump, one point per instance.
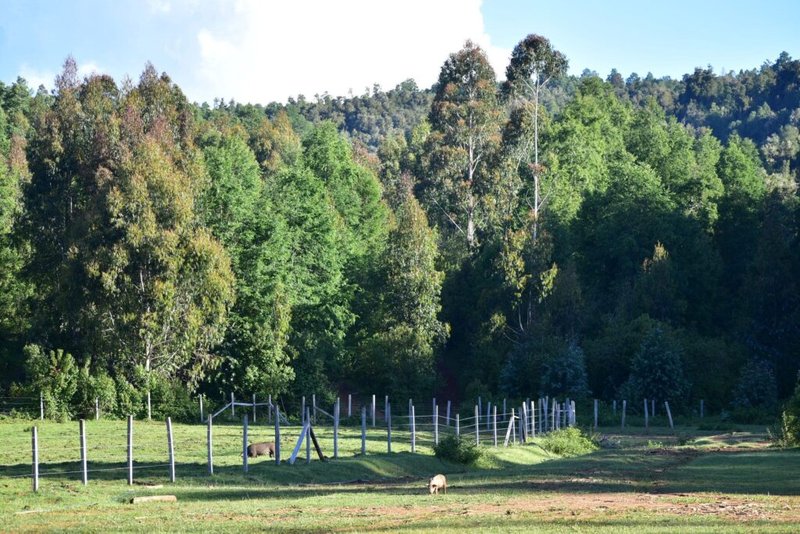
[[568, 442]]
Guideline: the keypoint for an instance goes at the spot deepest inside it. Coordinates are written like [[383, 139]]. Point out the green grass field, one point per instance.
[[706, 481]]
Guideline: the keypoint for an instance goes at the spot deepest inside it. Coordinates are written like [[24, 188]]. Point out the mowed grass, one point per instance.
[[714, 482]]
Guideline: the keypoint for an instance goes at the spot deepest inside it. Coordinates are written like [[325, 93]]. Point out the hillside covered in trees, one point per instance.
[[501, 234]]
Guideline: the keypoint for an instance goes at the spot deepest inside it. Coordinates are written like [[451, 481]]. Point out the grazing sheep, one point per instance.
[[436, 483]]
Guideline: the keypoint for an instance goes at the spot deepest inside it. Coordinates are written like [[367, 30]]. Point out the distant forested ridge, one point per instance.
[[548, 235]]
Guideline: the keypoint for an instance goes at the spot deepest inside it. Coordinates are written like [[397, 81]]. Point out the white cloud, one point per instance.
[[271, 50], [159, 6]]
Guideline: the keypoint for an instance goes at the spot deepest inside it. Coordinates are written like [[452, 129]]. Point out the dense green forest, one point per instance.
[[545, 234]]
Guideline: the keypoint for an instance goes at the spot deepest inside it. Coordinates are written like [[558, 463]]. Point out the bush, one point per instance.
[[788, 432], [756, 391], [55, 375], [457, 450], [568, 442]]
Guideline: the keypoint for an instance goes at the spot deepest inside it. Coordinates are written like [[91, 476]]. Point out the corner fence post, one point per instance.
[[35, 453], [130, 450]]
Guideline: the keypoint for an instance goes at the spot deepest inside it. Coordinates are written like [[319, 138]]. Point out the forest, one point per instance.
[[509, 234]]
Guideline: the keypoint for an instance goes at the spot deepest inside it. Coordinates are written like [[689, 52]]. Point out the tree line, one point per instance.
[[547, 235]]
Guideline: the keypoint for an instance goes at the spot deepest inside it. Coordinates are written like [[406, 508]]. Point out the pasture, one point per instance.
[[690, 480]]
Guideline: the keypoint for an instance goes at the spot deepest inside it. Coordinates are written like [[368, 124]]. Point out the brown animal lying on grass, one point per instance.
[[261, 449], [436, 483]]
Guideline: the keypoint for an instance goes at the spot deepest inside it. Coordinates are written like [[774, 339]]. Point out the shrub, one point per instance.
[[568, 442], [756, 393], [788, 432], [55, 375], [457, 450]]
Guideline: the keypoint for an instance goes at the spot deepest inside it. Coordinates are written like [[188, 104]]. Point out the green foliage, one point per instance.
[[564, 373], [454, 449], [567, 442], [755, 392], [55, 375], [788, 434], [93, 386], [657, 371]]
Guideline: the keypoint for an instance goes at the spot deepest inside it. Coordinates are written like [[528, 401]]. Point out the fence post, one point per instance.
[[436, 424], [170, 445], [373, 410], [41, 406], [35, 452], [201, 407], [458, 424], [97, 408], [244, 444], [595, 415], [254, 408], [508, 430], [336, 430], [308, 429], [130, 450], [269, 409], [480, 411], [277, 435], [349, 405], [233, 406], [386, 408], [84, 469], [303, 410], [646, 418], [413, 430], [652, 407], [447, 418], [488, 415], [624, 408], [523, 422], [669, 414], [494, 425], [505, 417], [364, 430], [533, 419], [574, 414], [388, 426], [149, 409], [210, 446], [314, 408], [477, 423]]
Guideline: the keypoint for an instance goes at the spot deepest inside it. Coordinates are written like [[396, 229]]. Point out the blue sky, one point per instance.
[[263, 50]]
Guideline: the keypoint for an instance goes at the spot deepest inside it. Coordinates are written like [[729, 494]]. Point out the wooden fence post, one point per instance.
[[574, 414], [244, 444], [478, 413], [336, 429], [494, 426], [388, 427], [447, 418], [149, 408], [413, 430], [364, 430], [303, 410], [488, 415], [201, 407], [624, 408], [171, 446], [386, 408], [436, 424], [233, 405], [308, 429], [477, 424], [314, 409], [254, 408], [373, 410], [669, 415], [508, 430], [523, 422], [533, 419], [41, 406], [349, 405], [130, 450], [97, 408], [277, 435], [458, 424], [505, 417], [35, 452], [210, 445], [84, 462]]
